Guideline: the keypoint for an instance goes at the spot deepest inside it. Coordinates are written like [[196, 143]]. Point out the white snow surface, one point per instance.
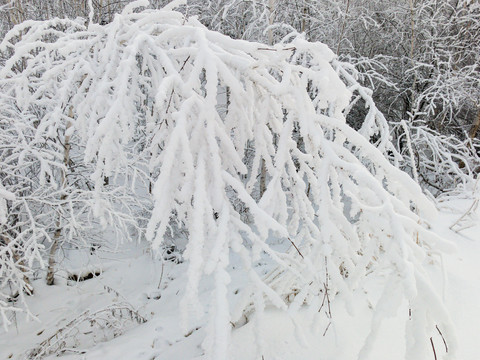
[[133, 276]]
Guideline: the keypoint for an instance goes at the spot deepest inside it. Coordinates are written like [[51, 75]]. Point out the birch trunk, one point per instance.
[[271, 18], [58, 231]]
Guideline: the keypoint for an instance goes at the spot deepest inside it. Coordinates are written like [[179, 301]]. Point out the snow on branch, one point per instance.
[[214, 116], [445, 164]]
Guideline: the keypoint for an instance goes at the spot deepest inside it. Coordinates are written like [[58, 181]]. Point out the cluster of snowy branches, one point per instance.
[[54, 201], [90, 114], [428, 49], [440, 163], [420, 56]]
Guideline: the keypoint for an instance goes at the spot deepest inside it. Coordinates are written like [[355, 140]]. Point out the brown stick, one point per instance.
[[296, 248], [444, 342], [433, 347], [475, 127], [326, 329]]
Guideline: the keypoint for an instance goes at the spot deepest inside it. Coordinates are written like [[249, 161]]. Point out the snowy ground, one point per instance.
[[135, 280]]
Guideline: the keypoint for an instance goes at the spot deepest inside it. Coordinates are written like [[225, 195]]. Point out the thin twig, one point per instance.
[[293, 48], [184, 63], [171, 94], [328, 301], [327, 328], [295, 246], [444, 342], [472, 208], [161, 274], [325, 285], [433, 347]]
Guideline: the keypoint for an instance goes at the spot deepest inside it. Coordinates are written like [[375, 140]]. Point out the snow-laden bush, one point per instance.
[[12, 268], [20, 236], [194, 101], [441, 164], [53, 201]]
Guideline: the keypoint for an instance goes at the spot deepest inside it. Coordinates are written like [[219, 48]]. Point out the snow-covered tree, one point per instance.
[[55, 202], [19, 236], [211, 114]]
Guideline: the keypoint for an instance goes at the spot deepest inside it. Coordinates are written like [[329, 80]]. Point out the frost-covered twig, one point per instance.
[[445, 163], [110, 321]]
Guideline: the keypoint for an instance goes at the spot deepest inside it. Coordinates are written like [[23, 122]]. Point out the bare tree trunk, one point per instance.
[[58, 232], [263, 176], [16, 13], [474, 129], [412, 52], [342, 30], [303, 27], [271, 18], [51, 256]]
